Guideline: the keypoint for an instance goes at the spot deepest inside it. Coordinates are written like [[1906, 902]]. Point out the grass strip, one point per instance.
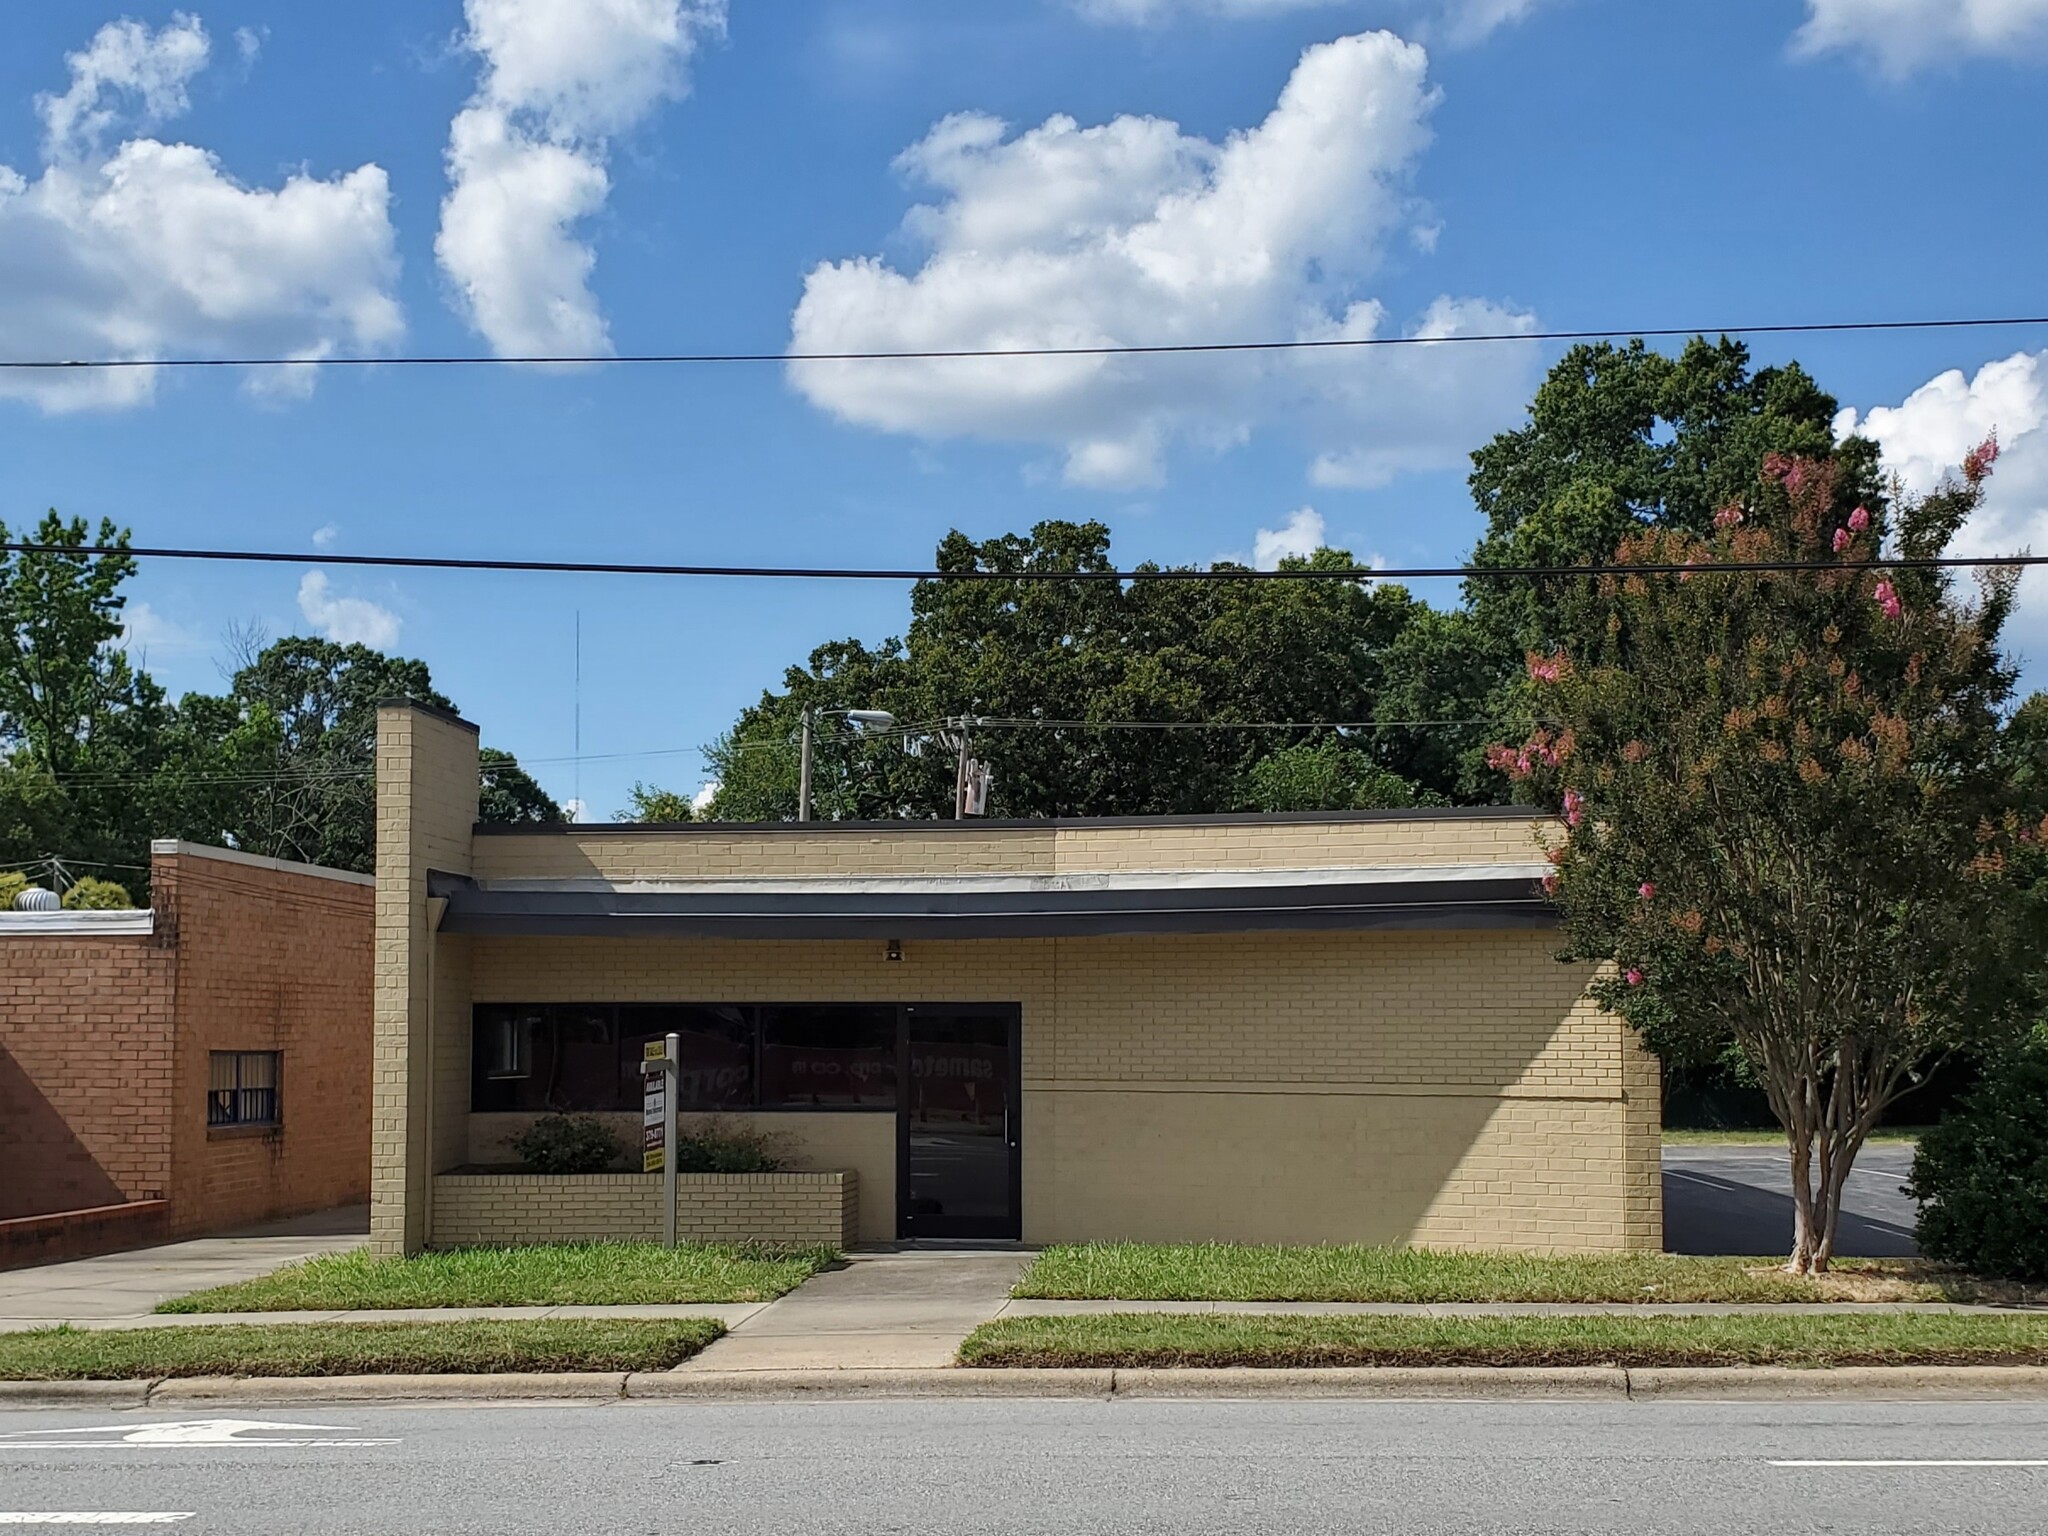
[[568, 1274], [1235, 1272], [1157, 1339], [352, 1349]]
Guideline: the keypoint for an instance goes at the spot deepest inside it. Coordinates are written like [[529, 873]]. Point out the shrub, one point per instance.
[[568, 1144], [12, 883], [1981, 1175], [708, 1148], [91, 895]]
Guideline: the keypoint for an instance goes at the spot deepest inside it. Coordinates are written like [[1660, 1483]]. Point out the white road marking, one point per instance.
[[187, 1432], [96, 1517], [1927, 1463]]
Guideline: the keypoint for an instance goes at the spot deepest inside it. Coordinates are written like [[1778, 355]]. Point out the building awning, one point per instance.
[[1005, 906]]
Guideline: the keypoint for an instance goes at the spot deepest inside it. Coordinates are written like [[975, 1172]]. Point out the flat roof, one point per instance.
[[1004, 906], [1034, 824]]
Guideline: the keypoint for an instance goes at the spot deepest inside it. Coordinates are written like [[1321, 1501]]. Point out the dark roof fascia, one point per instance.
[[1039, 824], [1454, 903]]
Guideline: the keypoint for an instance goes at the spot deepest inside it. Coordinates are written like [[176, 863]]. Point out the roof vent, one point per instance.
[[36, 899]]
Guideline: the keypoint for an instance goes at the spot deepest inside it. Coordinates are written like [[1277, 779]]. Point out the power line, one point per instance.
[[312, 777], [1350, 573], [1163, 349]]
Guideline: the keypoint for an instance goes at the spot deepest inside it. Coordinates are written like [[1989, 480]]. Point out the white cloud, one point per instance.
[[346, 620], [1134, 233], [1926, 436], [144, 632], [576, 810], [1901, 36], [1301, 535], [151, 248], [527, 155], [1460, 20], [700, 802], [325, 535]]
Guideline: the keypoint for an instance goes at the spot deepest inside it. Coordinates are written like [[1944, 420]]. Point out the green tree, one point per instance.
[[1056, 666], [1623, 439], [1326, 775], [657, 806], [79, 726], [508, 793], [1787, 823]]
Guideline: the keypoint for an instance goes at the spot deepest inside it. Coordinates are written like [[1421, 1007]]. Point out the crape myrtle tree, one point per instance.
[[1786, 822]]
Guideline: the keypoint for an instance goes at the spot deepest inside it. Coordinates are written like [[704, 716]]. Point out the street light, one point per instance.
[[875, 718]]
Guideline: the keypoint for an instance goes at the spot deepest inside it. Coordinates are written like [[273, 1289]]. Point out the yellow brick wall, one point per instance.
[[864, 1144], [426, 806], [1453, 1088], [772, 1209], [1045, 849]]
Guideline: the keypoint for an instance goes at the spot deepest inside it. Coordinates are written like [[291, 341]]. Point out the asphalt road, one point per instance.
[[992, 1468], [1739, 1200]]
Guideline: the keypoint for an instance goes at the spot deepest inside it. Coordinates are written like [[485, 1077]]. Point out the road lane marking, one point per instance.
[[188, 1432], [95, 1516], [1958, 1462]]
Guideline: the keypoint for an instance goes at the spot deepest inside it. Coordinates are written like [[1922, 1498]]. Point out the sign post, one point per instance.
[[658, 1125]]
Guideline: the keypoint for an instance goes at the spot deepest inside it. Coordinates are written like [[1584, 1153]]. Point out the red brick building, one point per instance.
[[186, 1069]]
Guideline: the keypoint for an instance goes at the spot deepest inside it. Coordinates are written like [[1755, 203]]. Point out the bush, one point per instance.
[[709, 1148], [568, 1144], [1981, 1175], [91, 895], [12, 883]]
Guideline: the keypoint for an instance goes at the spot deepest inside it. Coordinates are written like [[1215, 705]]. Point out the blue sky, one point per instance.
[[644, 175]]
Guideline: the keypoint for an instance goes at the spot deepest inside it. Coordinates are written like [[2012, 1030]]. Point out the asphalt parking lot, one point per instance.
[[1738, 1199]]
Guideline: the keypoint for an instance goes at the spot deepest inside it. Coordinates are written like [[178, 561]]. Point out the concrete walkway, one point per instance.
[[124, 1286], [895, 1310]]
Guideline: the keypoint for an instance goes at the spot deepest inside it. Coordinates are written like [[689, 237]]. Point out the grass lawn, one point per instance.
[[1162, 1339], [351, 1349], [1890, 1136], [571, 1274], [1232, 1272]]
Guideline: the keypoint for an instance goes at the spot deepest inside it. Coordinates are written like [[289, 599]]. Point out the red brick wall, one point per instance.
[[269, 960], [104, 1043], [85, 1072]]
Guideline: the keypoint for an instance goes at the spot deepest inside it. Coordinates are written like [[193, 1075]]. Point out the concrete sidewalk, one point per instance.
[[118, 1286], [881, 1310]]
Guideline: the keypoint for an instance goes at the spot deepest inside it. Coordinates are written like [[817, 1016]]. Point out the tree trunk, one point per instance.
[[1805, 1235]]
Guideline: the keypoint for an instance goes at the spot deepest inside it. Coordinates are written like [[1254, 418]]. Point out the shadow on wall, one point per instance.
[[47, 1167]]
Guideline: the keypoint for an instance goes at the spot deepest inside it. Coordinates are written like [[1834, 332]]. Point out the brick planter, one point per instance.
[[781, 1209]]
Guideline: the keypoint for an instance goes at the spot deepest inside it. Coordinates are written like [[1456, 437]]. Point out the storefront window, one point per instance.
[[585, 1058], [831, 1057], [717, 1048]]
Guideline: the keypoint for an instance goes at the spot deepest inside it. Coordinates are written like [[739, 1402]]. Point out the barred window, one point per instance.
[[242, 1088]]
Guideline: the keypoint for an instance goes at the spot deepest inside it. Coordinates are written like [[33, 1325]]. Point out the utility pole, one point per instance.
[[803, 781], [964, 723]]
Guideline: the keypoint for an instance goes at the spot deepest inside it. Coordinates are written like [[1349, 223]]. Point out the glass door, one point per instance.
[[957, 1128]]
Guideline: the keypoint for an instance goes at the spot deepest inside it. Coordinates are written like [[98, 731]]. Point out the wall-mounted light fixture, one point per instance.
[[894, 951]]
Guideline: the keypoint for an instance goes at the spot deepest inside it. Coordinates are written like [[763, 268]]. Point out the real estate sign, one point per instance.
[[653, 1108]]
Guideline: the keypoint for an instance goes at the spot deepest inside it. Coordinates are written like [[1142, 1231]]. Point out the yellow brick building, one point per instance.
[[1330, 1028]]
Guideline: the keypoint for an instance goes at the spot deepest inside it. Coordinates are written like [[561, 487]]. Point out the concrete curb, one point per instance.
[[949, 1381], [1390, 1381], [513, 1386], [1387, 1383], [74, 1394], [1776, 1383]]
